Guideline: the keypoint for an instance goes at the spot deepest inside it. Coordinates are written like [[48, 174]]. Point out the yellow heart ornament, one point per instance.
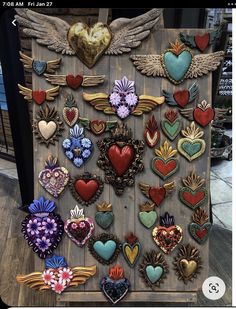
[[131, 249]]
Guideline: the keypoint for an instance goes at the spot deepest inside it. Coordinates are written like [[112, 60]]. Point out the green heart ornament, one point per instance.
[[104, 219], [171, 130], [154, 273], [200, 232], [148, 218], [191, 148]]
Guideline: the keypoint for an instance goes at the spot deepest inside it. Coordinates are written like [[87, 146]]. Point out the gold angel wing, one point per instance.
[[147, 103], [26, 92], [48, 30], [99, 101], [204, 63], [52, 93], [169, 186], [89, 81], [52, 65], [144, 188], [26, 60], [82, 274], [56, 79], [187, 113], [129, 33], [149, 65], [33, 280]]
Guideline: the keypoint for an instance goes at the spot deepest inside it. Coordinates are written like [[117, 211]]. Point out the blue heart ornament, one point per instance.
[[105, 250], [39, 67], [154, 273]]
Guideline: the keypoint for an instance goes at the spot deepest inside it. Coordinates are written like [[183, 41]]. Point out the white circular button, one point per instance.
[[213, 288]]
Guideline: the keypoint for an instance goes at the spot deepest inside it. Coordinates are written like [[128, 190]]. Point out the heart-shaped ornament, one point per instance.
[[157, 195], [105, 248], [47, 129], [39, 96], [78, 227], [39, 67], [200, 228], [131, 249], [98, 126], [115, 286], [172, 125], [202, 41], [188, 267], [70, 111], [147, 214], [86, 188], [74, 82], [203, 116], [167, 235], [104, 216], [154, 273], [181, 97], [151, 133], [89, 43], [53, 178]]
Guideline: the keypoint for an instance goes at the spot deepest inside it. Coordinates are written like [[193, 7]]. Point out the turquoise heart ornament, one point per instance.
[[147, 218], [39, 67], [191, 148], [177, 65], [171, 130], [105, 250], [154, 273], [104, 219]]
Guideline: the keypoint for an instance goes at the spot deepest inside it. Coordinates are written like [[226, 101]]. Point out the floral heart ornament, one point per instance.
[[78, 227], [164, 164], [167, 235], [193, 194], [131, 249], [105, 248], [42, 228], [200, 228], [53, 178], [191, 146], [172, 125], [147, 215], [57, 276], [115, 286], [77, 147], [153, 269]]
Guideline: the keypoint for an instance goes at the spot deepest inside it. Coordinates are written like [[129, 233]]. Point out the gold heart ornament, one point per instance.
[[188, 267], [89, 43], [131, 253]]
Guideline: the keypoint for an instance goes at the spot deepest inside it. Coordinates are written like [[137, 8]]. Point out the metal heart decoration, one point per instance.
[[77, 147], [105, 248], [53, 178], [70, 111], [104, 216], [42, 228], [98, 127], [39, 66], [115, 286], [188, 267], [167, 235], [78, 227], [131, 249], [147, 215], [164, 165], [89, 43], [200, 228], [172, 125]]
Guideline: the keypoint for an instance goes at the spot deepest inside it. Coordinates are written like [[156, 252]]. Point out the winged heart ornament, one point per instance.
[[57, 275], [177, 63], [39, 96], [88, 43]]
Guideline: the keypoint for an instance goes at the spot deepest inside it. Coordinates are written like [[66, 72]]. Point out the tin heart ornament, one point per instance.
[[78, 227], [171, 126], [42, 228], [98, 127], [131, 249], [167, 235], [104, 216], [115, 286], [53, 178], [147, 215], [200, 228], [57, 275], [70, 111]]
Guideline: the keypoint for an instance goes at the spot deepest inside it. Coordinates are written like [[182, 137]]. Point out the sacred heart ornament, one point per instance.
[[70, 111], [191, 146], [157, 194], [187, 263], [104, 216], [53, 178], [47, 126], [115, 286], [151, 133], [86, 188], [131, 249], [172, 125], [98, 127], [147, 215], [164, 164], [200, 228], [204, 114], [42, 228], [120, 158], [78, 227], [89, 43], [193, 194], [77, 147], [123, 101], [167, 235], [57, 275], [105, 248], [153, 269], [39, 66]]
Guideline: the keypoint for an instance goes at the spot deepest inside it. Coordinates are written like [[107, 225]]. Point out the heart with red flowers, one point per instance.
[[86, 188], [164, 168], [121, 158], [193, 198], [181, 97], [39, 96], [74, 82], [203, 117], [202, 41]]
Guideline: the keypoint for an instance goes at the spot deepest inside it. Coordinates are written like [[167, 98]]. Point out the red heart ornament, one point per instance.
[[157, 195], [203, 117], [165, 167], [201, 233], [181, 97], [39, 96], [193, 199], [74, 82], [202, 41], [86, 189], [70, 114], [121, 158]]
